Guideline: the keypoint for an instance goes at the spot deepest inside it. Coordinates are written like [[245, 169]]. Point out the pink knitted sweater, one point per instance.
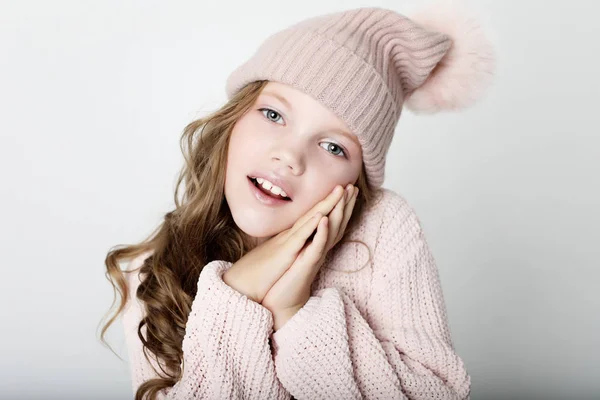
[[380, 332]]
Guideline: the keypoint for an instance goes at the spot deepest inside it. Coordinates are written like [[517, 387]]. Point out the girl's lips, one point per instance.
[[265, 198], [275, 179]]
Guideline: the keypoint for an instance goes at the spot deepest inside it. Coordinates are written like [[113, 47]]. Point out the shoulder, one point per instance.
[[388, 203], [394, 220], [390, 209]]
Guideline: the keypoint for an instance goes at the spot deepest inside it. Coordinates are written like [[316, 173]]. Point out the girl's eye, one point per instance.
[[337, 150], [270, 113], [333, 146]]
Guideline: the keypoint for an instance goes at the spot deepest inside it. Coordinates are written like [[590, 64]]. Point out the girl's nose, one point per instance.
[[289, 155]]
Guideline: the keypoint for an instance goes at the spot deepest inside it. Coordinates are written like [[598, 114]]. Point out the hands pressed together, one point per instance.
[[279, 273]]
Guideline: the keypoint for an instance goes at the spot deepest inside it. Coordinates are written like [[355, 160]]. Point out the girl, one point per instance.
[[286, 270]]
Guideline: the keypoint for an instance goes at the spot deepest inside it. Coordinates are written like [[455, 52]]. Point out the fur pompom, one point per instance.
[[464, 73]]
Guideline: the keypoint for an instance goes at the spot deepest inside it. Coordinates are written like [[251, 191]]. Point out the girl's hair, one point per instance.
[[199, 229]]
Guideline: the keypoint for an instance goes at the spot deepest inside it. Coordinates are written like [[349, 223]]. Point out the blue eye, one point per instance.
[[270, 112], [333, 145], [275, 114]]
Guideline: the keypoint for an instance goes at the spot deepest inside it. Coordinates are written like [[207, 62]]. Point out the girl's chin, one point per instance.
[[259, 224], [259, 238], [260, 231]]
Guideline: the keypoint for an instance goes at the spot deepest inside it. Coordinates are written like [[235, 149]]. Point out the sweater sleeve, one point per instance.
[[226, 349], [328, 350]]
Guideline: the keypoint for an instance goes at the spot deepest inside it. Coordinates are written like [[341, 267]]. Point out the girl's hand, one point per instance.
[[255, 273], [292, 290]]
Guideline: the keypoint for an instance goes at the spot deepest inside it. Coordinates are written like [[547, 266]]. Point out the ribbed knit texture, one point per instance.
[[380, 332], [360, 63]]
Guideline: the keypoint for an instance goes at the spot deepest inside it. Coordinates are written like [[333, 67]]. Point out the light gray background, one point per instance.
[[94, 96]]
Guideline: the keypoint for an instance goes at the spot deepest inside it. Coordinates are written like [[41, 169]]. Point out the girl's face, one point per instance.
[[294, 142]]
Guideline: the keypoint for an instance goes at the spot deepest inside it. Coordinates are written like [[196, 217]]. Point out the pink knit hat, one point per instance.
[[365, 63]]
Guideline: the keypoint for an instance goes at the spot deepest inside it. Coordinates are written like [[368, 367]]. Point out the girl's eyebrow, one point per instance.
[[350, 137], [280, 98]]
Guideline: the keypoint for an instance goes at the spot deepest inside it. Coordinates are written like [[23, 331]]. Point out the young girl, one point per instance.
[[285, 269]]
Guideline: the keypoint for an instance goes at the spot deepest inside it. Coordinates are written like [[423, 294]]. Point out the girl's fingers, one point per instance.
[[347, 214], [298, 238], [336, 217], [316, 250], [324, 207]]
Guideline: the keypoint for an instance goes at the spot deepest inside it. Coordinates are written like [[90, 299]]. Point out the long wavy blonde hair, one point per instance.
[[199, 229]]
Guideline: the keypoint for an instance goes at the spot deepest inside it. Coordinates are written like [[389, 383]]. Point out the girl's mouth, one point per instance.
[[268, 192]]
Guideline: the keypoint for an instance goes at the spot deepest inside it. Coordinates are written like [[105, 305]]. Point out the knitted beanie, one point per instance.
[[363, 64]]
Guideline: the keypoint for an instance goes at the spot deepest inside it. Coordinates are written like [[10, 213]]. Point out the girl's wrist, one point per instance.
[[281, 317]]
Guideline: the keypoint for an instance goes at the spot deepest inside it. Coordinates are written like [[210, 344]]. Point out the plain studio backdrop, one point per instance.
[[95, 94]]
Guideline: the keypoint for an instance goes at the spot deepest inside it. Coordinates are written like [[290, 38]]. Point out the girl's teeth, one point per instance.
[[267, 185], [273, 189]]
